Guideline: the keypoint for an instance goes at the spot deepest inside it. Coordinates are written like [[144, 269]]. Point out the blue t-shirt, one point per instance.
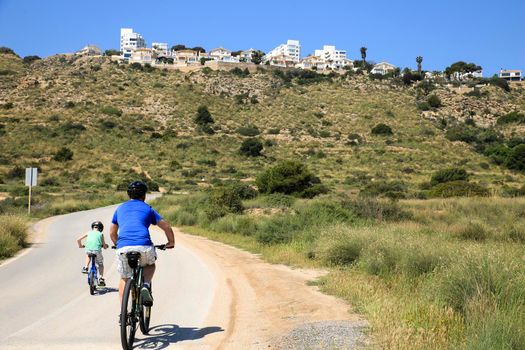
[[133, 219]]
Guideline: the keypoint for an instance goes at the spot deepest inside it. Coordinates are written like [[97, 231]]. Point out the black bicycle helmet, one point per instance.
[[137, 190], [98, 225]]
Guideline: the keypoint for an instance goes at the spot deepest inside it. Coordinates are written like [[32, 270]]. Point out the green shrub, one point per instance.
[[251, 147], [110, 110], [313, 191], [434, 101], [7, 51], [512, 117], [276, 200], [136, 66], [354, 139], [63, 155], [451, 174], [107, 124], [287, 177], [462, 133], [13, 235], [203, 116], [382, 129], [273, 131], [343, 251], [324, 133], [372, 208], [243, 190], [457, 189], [516, 158], [388, 189], [472, 231], [222, 201], [248, 130], [16, 172], [232, 223]]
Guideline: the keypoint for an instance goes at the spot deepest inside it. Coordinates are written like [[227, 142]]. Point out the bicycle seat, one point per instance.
[[91, 255], [133, 259]]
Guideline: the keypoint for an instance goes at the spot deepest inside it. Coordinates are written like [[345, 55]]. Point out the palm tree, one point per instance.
[[419, 60], [363, 54]]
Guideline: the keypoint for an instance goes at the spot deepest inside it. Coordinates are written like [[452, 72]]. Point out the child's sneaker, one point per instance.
[[101, 282], [84, 270], [145, 296]]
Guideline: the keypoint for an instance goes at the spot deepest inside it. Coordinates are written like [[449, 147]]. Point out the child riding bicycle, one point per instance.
[[94, 244]]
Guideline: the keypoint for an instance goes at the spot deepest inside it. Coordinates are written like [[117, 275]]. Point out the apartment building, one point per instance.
[[247, 55], [333, 58], [510, 74], [130, 41], [284, 54]]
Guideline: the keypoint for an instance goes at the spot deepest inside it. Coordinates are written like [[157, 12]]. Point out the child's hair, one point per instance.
[[97, 225]]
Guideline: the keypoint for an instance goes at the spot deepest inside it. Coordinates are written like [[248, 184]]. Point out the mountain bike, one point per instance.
[[132, 311], [92, 274]]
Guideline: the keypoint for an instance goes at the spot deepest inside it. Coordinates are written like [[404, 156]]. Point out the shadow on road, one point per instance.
[[105, 290], [160, 337]]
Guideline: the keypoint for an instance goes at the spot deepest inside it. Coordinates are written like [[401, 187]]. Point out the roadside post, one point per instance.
[[31, 175]]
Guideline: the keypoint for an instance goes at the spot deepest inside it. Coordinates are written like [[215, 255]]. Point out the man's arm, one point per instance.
[[79, 240], [113, 233], [165, 226]]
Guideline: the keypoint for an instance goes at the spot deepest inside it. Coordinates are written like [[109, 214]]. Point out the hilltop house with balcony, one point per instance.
[[510, 74], [312, 62], [247, 55], [89, 50], [284, 55], [223, 55], [160, 49], [142, 55], [187, 56], [383, 68]]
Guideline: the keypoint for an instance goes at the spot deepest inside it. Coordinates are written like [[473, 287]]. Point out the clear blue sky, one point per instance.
[[486, 32]]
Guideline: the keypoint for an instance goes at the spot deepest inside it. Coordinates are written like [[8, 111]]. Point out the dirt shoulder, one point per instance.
[[259, 304]]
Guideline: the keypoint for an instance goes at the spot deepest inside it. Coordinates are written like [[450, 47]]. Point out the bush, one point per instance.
[[203, 116], [512, 117], [451, 174], [63, 155], [313, 191], [354, 139], [16, 173], [388, 189], [274, 131], [107, 124], [13, 235], [248, 131], [423, 106], [136, 66], [30, 59], [251, 147], [516, 158], [243, 190], [287, 177], [462, 133], [434, 101], [223, 201], [110, 110], [7, 50], [457, 189], [381, 129]]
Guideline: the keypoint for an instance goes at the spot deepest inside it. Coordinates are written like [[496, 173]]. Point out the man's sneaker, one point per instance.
[[145, 296], [101, 282], [84, 270]]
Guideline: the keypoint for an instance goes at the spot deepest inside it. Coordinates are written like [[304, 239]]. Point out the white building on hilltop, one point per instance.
[[335, 59], [383, 68], [160, 48], [130, 41], [510, 74], [289, 52]]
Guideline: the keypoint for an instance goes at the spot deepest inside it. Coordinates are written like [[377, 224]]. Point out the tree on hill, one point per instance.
[[257, 56], [419, 60], [462, 67], [178, 47], [199, 49], [111, 52], [363, 53], [203, 116], [30, 59], [7, 50]]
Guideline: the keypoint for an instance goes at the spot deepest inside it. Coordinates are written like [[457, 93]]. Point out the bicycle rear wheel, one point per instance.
[[128, 320], [91, 282]]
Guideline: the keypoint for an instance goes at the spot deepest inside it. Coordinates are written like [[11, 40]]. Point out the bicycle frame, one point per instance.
[[92, 271]]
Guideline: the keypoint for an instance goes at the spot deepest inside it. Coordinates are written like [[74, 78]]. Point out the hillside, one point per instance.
[[119, 121]]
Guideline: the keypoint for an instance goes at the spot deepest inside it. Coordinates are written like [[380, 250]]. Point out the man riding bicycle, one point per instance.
[[129, 232]]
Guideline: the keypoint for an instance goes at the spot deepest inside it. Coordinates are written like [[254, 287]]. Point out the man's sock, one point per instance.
[[147, 285]]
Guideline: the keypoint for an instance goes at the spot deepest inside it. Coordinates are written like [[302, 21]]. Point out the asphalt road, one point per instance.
[[45, 301]]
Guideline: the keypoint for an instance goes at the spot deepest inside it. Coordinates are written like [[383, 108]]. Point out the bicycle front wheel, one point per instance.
[[128, 320], [145, 316]]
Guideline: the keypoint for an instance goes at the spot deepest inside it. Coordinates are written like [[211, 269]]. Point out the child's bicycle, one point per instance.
[[132, 310], [92, 274]]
